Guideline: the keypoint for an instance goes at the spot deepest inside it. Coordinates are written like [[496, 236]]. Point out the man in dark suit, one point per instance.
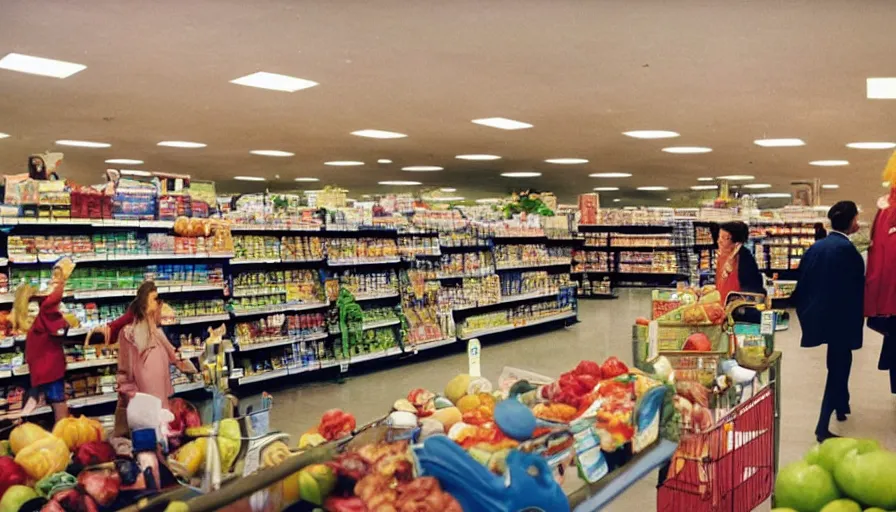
[[829, 297]]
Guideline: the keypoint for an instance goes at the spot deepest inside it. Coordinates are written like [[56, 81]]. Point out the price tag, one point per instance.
[[474, 354], [767, 324], [343, 366], [653, 344]]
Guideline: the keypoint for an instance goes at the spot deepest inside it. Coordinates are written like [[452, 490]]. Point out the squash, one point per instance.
[[25, 434], [44, 457]]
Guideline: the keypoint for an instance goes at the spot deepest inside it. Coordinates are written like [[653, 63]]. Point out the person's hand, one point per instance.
[[100, 330], [186, 366]]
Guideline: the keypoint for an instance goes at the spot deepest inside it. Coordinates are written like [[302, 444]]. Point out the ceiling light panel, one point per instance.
[[274, 82], [135, 172], [307, 179], [881, 88], [617, 200], [737, 177], [3, 135], [773, 195], [384, 161], [185, 144], [502, 123], [705, 178], [124, 161], [521, 174], [343, 163], [651, 134], [687, 150], [271, 152], [478, 157], [40, 66], [705, 187], [448, 189], [422, 168], [871, 145], [830, 186], [249, 178], [379, 134], [610, 175], [400, 183], [829, 163], [757, 185], [653, 189], [779, 143], [83, 144], [566, 161], [606, 189]]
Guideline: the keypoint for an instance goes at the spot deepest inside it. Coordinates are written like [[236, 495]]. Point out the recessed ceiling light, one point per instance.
[[779, 143], [488, 200], [687, 150], [651, 134], [307, 179], [478, 157], [249, 178], [830, 186], [772, 195], [379, 134], [271, 152], [502, 123], [566, 161], [881, 88], [83, 143], [610, 175], [737, 177], [3, 135], [384, 161], [422, 168], [606, 189], [274, 82], [40, 66], [705, 187], [653, 189], [871, 145], [181, 144], [705, 178], [829, 163], [400, 183], [448, 189], [124, 161], [617, 200], [757, 185], [343, 163], [521, 174]]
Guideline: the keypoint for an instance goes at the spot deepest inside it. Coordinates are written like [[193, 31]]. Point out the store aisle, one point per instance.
[[605, 330]]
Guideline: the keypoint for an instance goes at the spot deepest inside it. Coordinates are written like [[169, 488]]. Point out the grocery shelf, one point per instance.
[[274, 227], [375, 296], [30, 259], [503, 328], [425, 345], [462, 276], [87, 401], [192, 386], [199, 319], [363, 261], [375, 355], [239, 294], [190, 354], [283, 372], [279, 308], [255, 261], [507, 299], [96, 223], [372, 325], [90, 363], [282, 341], [186, 288], [535, 265]]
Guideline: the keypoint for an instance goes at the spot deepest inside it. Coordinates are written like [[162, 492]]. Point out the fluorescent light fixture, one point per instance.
[[881, 88], [40, 66], [521, 174], [83, 143], [3, 135], [737, 177], [779, 143], [651, 134], [448, 189], [478, 157], [307, 179], [830, 186], [249, 178], [617, 200], [772, 195], [502, 123], [400, 183], [610, 175], [757, 185], [271, 152], [653, 189], [488, 200], [384, 161], [135, 172], [124, 161], [687, 150], [274, 82], [705, 178], [422, 168], [829, 163], [606, 189], [181, 144], [566, 161], [871, 145], [668, 199], [379, 134], [705, 187], [343, 163]]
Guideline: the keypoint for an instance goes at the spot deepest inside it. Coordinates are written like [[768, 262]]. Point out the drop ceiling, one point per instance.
[[721, 74]]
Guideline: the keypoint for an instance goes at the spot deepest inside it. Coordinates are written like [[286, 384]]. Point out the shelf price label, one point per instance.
[[343, 366]]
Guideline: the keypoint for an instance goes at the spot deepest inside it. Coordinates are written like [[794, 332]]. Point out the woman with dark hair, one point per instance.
[[736, 269], [820, 232]]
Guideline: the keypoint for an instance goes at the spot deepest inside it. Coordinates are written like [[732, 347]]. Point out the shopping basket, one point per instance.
[[729, 468]]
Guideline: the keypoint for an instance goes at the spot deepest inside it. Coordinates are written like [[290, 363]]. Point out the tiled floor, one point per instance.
[[604, 330]]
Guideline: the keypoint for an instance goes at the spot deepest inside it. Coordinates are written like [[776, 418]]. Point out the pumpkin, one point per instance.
[[25, 434], [78, 431], [44, 457]]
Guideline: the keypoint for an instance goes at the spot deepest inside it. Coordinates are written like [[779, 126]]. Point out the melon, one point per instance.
[[805, 487], [457, 387]]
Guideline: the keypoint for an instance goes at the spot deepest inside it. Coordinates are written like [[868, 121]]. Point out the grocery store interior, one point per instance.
[[347, 205]]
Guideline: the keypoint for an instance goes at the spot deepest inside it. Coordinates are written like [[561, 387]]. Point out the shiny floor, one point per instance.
[[605, 329]]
